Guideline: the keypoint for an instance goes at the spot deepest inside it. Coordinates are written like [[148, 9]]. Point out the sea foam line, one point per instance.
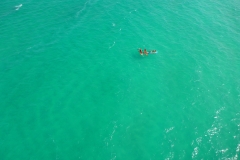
[[19, 6], [84, 6], [112, 45]]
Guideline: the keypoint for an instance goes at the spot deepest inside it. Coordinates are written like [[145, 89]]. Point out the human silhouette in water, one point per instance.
[[140, 51], [154, 51], [145, 52]]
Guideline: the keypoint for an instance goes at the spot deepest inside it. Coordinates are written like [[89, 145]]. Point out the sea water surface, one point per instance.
[[73, 85]]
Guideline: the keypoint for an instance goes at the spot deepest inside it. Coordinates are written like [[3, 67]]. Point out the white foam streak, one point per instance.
[[19, 6], [237, 151], [112, 45], [83, 8], [169, 129], [195, 152]]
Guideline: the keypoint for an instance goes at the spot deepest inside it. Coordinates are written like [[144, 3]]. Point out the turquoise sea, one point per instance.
[[73, 85]]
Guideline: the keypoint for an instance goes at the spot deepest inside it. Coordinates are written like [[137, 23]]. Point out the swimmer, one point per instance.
[[140, 51], [145, 52], [153, 51]]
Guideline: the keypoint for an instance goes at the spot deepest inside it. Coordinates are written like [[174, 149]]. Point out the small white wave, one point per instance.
[[18, 6], [195, 152], [112, 45], [169, 129], [237, 150], [199, 140], [83, 8], [113, 158], [114, 129], [218, 111], [222, 150], [108, 140], [170, 156], [213, 131]]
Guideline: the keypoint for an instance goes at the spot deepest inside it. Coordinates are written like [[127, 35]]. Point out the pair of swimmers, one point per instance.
[[146, 52], [142, 52]]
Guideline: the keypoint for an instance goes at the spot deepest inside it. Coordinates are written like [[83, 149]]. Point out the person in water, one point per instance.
[[153, 51], [145, 52], [140, 51]]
